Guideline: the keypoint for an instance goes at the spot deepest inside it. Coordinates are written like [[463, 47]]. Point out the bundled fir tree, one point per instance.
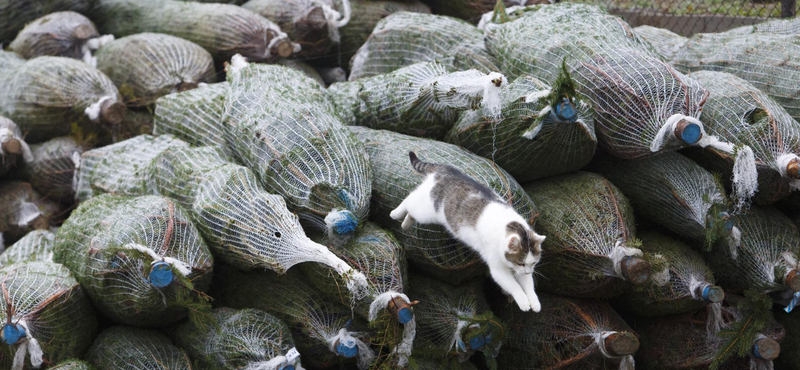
[[65, 34], [126, 348], [72, 365], [364, 15], [15, 14], [472, 10], [52, 170], [666, 42], [12, 145], [37, 245], [194, 116]]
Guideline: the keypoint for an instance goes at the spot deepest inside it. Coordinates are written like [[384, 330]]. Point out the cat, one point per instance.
[[478, 217]]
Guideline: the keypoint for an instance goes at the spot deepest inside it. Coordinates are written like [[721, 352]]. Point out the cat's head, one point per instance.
[[523, 248]]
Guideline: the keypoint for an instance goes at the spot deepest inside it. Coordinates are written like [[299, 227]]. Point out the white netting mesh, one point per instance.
[[37, 245], [787, 26], [405, 38], [22, 210], [590, 227], [125, 348], [12, 145], [194, 116], [52, 170], [44, 103], [57, 34], [135, 257], [281, 125], [147, 66], [72, 365], [9, 60], [227, 338], [46, 314], [364, 15], [222, 29], [666, 42], [394, 178], [14, 15]]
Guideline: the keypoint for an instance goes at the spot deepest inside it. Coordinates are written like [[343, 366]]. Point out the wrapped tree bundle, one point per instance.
[[22, 209], [141, 259], [47, 316], [789, 358], [12, 145], [9, 60], [364, 15], [52, 170], [72, 365], [324, 332], [121, 168], [569, 334], [472, 10], [306, 68], [642, 105], [405, 38], [313, 24], [675, 193], [431, 246], [64, 34], [591, 237], [455, 321], [785, 26], [147, 66], [194, 116], [125, 348], [422, 99], [739, 113], [222, 29], [238, 339], [685, 284], [281, 125], [666, 42], [37, 245], [15, 14], [543, 130], [46, 96]]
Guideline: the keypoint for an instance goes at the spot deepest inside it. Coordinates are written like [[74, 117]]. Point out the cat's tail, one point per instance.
[[420, 166]]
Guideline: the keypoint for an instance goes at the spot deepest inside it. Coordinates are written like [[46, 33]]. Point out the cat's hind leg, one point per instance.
[[408, 222], [526, 282], [505, 279]]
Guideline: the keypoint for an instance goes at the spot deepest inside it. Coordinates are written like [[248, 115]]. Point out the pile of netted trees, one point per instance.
[[211, 184]]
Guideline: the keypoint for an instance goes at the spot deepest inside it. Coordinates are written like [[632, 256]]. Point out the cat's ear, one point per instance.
[[514, 244], [532, 235]]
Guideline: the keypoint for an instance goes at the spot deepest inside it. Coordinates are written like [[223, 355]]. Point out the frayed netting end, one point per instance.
[[493, 83], [344, 343], [93, 111], [30, 346], [619, 252], [334, 18], [182, 267], [341, 222], [626, 362], [238, 62], [403, 349]]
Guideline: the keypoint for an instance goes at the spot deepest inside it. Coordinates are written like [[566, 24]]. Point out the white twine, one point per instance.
[[403, 349], [273, 363], [491, 92], [76, 160], [695, 285], [625, 363], [365, 354], [789, 259], [714, 321], [335, 19], [182, 267], [619, 252], [93, 44], [457, 336], [734, 242], [783, 162], [536, 95], [532, 132], [28, 211], [6, 135], [93, 111], [238, 62], [31, 346]]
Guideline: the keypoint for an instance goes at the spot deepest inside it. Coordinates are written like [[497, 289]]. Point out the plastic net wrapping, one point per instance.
[[37, 245], [9, 60], [65, 34], [569, 334], [666, 42], [12, 145], [15, 14], [405, 38], [121, 168], [306, 68], [125, 348], [147, 66], [786, 26], [325, 332], [431, 246], [281, 125], [767, 61], [531, 139], [222, 29], [47, 317], [194, 116], [364, 15], [739, 113], [471, 10], [422, 99], [591, 242], [685, 283], [245, 339], [72, 365], [46, 96], [313, 24], [674, 192], [454, 321], [141, 259], [52, 170], [23, 210]]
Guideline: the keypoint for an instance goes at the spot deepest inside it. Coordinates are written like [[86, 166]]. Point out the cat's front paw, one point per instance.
[[397, 214], [536, 306], [524, 305]]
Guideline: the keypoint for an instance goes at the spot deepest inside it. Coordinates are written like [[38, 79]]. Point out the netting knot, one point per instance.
[[30, 346], [345, 344]]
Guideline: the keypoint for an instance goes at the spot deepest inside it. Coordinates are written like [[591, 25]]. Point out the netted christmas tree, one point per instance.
[[313, 24], [738, 112], [66, 34], [234, 339], [405, 38], [146, 66], [455, 321], [22, 209], [49, 97], [37, 245], [775, 26], [325, 332], [281, 125], [674, 192], [544, 130], [304, 67], [422, 99], [47, 316], [72, 365], [666, 42], [431, 246], [15, 14], [569, 334], [364, 15], [126, 348], [591, 246], [472, 10], [141, 259], [12, 145], [194, 116], [52, 170], [685, 283], [222, 29], [788, 358]]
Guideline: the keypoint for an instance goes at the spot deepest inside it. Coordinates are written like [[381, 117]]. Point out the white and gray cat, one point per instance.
[[479, 218]]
